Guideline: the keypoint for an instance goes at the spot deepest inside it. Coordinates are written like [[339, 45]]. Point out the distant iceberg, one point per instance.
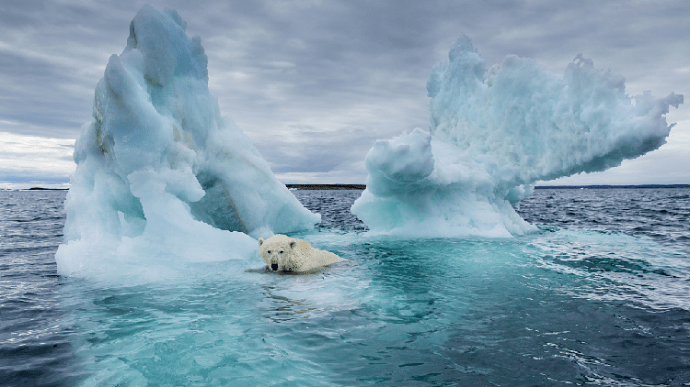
[[495, 132], [159, 173]]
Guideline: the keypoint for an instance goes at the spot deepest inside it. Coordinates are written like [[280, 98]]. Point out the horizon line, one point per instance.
[[345, 186]]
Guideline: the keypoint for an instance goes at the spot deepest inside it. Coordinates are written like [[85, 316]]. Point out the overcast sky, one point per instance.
[[315, 83]]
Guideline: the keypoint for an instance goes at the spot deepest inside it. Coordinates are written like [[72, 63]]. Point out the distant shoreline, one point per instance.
[[601, 186], [360, 187], [327, 187]]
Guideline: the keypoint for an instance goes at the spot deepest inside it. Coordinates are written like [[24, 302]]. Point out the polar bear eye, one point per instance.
[[281, 251], [269, 251]]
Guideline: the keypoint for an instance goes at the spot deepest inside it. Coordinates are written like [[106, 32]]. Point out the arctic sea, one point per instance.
[[599, 296]]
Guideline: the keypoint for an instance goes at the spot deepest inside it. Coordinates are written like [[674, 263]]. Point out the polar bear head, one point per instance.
[[282, 253]]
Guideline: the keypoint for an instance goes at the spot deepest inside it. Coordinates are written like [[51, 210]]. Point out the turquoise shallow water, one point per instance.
[[600, 296]]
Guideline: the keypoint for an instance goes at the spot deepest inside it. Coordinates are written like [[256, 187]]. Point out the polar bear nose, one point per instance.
[[274, 266]]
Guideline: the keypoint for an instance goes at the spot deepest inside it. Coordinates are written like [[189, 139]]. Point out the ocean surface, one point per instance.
[[599, 296]]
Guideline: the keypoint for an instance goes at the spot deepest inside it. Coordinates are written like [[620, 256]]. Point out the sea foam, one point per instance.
[[494, 132]]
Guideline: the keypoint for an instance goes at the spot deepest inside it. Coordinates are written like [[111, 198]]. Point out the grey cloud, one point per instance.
[[273, 63], [37, 179], [308, 149], [47, 69]]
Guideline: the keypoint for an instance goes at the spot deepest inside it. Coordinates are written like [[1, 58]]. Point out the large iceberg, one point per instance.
[[494, 133], [160, 175]]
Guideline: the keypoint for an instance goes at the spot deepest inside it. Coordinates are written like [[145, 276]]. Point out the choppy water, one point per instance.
[[600, 296]]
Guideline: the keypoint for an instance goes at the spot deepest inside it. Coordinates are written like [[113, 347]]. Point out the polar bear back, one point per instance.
[[318, 258]]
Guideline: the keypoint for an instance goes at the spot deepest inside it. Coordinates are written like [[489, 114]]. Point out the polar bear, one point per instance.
[[284, 254]]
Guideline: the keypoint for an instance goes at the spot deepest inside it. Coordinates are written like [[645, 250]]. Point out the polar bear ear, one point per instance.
[[292, 244], [261, 241]]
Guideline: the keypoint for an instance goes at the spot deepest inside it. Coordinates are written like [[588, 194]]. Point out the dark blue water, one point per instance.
[[34, 342], [600, 296]]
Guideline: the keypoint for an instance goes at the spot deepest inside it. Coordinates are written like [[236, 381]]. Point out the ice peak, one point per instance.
[[159, 170]]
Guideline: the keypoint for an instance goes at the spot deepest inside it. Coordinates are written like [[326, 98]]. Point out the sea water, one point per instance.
[[600, 295]]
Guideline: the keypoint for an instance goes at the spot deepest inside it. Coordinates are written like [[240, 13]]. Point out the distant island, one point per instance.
[[326, 187]]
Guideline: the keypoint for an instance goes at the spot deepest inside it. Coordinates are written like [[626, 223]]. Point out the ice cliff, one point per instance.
[[494, 132], [159, 173]]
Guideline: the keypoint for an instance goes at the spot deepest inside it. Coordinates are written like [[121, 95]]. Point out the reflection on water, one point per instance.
[[279, 308]]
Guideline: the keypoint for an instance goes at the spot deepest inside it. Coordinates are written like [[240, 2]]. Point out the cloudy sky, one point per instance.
[[315, 83]]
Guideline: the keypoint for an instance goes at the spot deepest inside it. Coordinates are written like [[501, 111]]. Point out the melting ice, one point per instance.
[[495, 132], [159, 173]]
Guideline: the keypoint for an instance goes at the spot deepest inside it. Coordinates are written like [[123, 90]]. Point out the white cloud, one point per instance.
[[31, 160]]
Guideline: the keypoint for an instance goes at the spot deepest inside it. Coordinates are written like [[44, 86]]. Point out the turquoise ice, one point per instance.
[[161, 177], [494, 132]]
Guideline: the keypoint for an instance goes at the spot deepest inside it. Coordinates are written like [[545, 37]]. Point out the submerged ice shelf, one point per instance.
[[494, 133], [159, 173]]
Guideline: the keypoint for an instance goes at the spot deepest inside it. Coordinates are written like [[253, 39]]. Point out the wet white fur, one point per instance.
[[294, 255]]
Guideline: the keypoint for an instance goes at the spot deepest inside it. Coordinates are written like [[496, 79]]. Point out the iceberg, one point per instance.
[[494, 132], [160, 174]]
